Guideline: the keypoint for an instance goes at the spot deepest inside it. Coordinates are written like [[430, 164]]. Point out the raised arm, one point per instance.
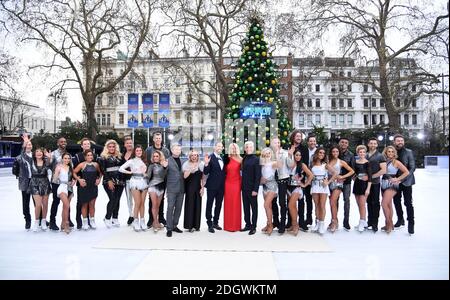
[[309, 174], [348, 168]]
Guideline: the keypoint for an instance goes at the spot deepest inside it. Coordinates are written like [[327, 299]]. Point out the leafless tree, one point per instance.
[[212, 28], [83, 35], [370, 31]]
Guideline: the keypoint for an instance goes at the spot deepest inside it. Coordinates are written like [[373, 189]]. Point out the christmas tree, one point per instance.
[[256, 83]]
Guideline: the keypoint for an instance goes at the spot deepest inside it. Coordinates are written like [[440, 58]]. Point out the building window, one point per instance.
[[414, 88], [414, 103], [374, 102], [121, 119], [300, 88], [189, 117], [301, 103], [366, 102], [414, 119], [177, 116], [341, 119], [144, 84], [349, 74], [341, 103], [132, 85], [98, 119], [110, 101], [213, 115], [341, 74], [381, 102], [309, 88], [341, 88], [122, 84], [318, 103], [350, 119], [349, 87], [309, 102], [301, 120], [349, 103], [108, 120], [366, 119], [406, 119], [309, 120], [99, 100], [103, 119], [317, 119], [317, 87], [365, 88], [177, 99], [374, 119], [177, 82], [333, 88], [397, 102], [333, 120], [155, 83], [121, 100], [382, 121], [333, 103]]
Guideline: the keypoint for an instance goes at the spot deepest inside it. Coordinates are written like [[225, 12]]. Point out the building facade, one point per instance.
[[444, 115], [325, 96], [21, 116], [188, 81]]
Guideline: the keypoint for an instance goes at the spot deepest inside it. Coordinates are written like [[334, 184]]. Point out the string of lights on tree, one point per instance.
[[256, 82]]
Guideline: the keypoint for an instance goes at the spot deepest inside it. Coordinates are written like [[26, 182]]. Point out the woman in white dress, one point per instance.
[[270, 186], [138, 185], [319, 186], [63, 177]]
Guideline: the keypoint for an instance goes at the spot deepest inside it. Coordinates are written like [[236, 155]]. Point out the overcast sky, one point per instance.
[[36, 87]]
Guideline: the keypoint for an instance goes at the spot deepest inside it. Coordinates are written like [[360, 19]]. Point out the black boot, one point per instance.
[[411, 227], [346, 225], [400, 223]]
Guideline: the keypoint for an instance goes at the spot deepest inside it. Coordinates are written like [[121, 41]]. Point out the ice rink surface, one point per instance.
[[55, 255]]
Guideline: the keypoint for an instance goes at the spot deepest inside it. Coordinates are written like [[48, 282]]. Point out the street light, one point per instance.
[[170, 137], [420, 136]]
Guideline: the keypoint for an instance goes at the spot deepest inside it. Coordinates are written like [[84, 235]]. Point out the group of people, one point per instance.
[[292, 179]]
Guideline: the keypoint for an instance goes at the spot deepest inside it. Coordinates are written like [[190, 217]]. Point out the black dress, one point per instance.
[[90, 191], [193, 201], [360, 186]]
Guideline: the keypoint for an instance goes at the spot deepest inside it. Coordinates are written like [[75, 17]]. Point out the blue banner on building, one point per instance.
[[147, 110], [164, 110], [133, 110]]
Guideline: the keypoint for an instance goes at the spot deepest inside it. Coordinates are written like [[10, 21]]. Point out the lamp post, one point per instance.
[[56, 96], [443, 104]]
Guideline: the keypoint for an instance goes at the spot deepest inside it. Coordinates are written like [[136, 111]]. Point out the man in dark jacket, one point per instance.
[[406, 156], [251, 177], [347, 156], [215, 184]]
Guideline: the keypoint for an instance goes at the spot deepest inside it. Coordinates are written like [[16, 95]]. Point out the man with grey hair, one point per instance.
[[251, 177], [175, 189]]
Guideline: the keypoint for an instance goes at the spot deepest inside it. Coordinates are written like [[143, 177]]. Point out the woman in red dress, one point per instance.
[[232, 195]]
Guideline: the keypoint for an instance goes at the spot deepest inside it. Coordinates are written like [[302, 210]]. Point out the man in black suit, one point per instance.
[[251, 177], [406, 156], [307, 155], [215, 184]]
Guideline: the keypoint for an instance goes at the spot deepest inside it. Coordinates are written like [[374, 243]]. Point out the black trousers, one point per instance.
[[250, 202], [407, 198], [112, 208], [280, 221], [373, 205], [309, 206], [161, 210], [213, 196], [26, 206]]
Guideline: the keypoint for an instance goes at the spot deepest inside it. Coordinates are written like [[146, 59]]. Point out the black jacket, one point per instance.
[[251, 173], [406, 156], [216, 176]]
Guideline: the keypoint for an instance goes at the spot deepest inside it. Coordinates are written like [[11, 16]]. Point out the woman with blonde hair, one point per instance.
[[270, 186], [232, 194], [156, 172], [363, 182], [390, 184], [193, 183], [113, 183]]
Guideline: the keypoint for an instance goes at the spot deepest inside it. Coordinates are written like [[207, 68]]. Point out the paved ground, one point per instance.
[[27, 255]]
